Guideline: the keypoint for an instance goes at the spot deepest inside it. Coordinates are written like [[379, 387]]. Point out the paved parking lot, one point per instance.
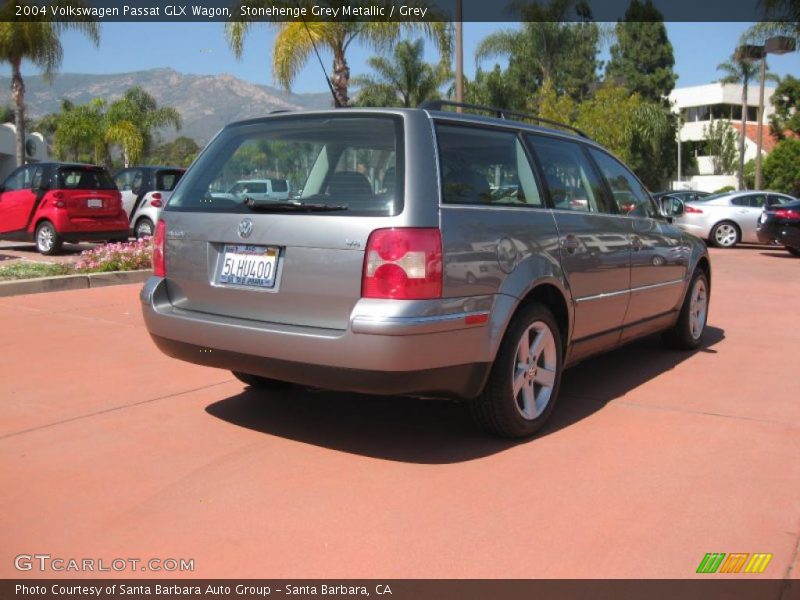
[[654, 458], [16, 251]]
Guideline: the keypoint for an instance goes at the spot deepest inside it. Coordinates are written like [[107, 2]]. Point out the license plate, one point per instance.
[[253, 266], [94, 203]]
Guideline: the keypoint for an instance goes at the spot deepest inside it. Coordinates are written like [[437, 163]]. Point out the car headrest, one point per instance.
[[349, 184]]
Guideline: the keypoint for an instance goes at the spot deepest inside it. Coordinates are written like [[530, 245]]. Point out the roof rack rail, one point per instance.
[[500, 113]]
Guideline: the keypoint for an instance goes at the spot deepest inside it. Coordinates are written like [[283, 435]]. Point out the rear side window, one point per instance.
[[84, 178], [167, 180], [569, 176], [481, 166], [629, 195], [279, 185], [343, 160]]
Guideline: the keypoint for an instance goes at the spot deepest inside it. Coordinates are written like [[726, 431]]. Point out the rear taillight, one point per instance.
[[403, 264], [159, 242], [155, 200], [58, 199], [787, 213], [692, 209]]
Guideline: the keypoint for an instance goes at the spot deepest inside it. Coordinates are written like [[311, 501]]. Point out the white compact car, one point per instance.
[[145, 191], [729, 218], [257, 189]]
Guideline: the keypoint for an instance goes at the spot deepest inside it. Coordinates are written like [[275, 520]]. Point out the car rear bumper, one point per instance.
[[89, 228], [769, 233], [383, 353]]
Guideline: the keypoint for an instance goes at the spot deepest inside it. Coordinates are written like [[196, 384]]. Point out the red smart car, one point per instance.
[[50, 203]]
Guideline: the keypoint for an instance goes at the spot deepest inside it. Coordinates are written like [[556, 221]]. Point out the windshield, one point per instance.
[[84, 178], [350, 161]]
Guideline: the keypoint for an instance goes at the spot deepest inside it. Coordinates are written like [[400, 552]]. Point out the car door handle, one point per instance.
[[636, 243], [570, 243]]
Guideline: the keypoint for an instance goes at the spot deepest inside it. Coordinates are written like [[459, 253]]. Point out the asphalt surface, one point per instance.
[[17, 251], [109, 449]]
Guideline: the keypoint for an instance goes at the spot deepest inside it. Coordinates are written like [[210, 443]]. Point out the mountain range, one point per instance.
[[206, 102]]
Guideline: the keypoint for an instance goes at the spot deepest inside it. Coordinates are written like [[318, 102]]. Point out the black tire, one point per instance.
[[141, 225], [48, 242], [712, 236], [261, 383], [497, 410], [681, 336], [793, 251]]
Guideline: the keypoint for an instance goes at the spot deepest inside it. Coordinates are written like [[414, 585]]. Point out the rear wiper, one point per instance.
[[290, 206]]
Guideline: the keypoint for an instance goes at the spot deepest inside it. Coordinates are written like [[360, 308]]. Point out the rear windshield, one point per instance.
[[353, 161], [84, 178], [167, 180]]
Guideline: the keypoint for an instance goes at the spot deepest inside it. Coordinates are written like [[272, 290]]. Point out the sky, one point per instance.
[[200, 48]]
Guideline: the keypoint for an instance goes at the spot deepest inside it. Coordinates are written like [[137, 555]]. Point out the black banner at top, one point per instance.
[[393, 10]]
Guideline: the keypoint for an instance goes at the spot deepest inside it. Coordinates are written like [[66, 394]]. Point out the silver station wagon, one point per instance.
[[430, 253]]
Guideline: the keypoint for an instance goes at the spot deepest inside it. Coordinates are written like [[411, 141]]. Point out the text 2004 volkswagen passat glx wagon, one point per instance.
[[425, 253]]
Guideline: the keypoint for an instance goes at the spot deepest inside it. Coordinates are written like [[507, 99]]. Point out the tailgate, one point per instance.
[[92, 203], [315, 276]]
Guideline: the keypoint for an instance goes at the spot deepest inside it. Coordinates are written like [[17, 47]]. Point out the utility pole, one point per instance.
[[760, 127], [459, 53]]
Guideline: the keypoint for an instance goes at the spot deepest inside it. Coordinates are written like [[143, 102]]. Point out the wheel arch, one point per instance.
[[550, 294]]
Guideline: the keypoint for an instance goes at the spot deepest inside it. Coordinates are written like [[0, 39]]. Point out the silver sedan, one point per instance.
[[729, 218]]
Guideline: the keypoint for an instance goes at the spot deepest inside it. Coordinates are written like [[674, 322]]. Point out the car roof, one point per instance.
[[466, 118]]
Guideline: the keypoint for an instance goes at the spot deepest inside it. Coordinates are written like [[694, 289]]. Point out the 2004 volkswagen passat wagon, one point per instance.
[[429, 253]]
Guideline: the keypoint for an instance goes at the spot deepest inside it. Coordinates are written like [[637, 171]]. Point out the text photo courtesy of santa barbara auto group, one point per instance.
[[399, 299]]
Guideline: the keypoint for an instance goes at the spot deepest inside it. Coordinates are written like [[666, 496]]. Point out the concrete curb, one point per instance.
[[71, 282]]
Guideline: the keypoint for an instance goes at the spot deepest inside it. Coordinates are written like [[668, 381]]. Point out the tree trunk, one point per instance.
[[745, 80], [341, 79], [18, 98]]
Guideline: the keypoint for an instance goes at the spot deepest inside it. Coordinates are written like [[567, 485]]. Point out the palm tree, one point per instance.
[[739, 70], [297, 40], [36, 41], [549, 50], [132, 119], [95, 128], [403, 80]]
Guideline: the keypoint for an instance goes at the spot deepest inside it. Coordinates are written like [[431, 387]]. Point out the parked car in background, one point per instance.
[[145, 191], [684, 195], [50, 203], [729, 218], [780, 224], [356, 284], [258, 189]]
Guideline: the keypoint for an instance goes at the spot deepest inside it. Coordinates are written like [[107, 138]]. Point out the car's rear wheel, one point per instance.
[[725, 234], [144, 228], [523, 386], [793, 251], [47, 239], [261, 383], [687, 333]]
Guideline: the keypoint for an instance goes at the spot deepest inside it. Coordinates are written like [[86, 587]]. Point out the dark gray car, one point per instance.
[[358, 283]]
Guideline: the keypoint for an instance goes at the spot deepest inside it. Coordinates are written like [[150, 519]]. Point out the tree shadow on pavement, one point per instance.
[[438, 431]]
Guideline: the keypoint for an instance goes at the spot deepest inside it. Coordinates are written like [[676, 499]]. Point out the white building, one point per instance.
[[35, 149], [697, 106]]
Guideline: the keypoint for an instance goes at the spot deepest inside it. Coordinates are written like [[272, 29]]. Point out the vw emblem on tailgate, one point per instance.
[[245, 228]]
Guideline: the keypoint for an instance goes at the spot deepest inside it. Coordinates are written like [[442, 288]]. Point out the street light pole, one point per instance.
[[459, 53], [760, 127]]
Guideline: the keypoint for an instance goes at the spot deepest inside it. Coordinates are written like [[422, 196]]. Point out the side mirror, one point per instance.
[[2, 188], [670, 207]]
